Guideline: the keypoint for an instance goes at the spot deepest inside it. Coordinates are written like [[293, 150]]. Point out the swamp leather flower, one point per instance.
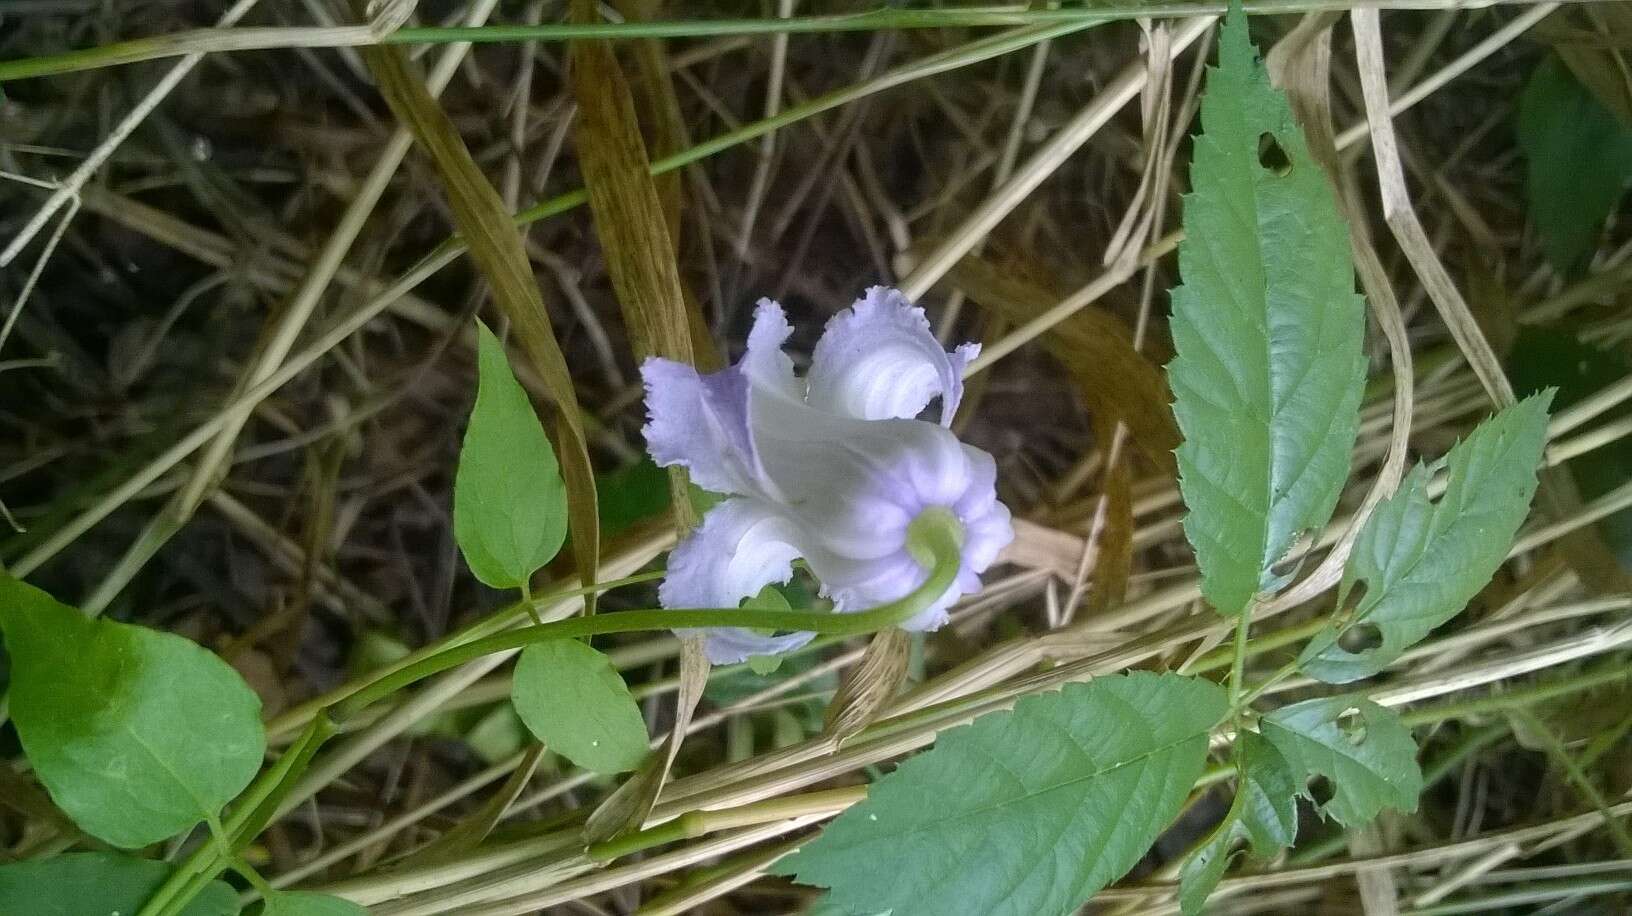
[[832, 469]]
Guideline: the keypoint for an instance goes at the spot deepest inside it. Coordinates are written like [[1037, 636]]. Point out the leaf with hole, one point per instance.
[[573, 700], [509, 502], [1421, 562], [1264, 812], [98, 884], [306, 903], [1363, 750], [1579, 160], [137, 734], [1267, 329], [1024, 812]]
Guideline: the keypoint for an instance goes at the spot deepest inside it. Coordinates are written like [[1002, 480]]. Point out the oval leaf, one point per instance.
[[137, 734], [575, 702], [509, 502], [1025, 812], [1422, 562], [1268, 331], [98, 884], [1362, 749], [306, 903]]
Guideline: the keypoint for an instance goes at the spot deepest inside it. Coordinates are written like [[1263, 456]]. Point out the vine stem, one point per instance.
[[936, 535], [298, 716]]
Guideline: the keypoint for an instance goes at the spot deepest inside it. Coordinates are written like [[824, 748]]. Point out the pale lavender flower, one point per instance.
[[831, 468]]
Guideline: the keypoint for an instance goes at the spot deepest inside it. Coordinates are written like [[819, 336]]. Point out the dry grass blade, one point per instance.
[[630, 218], [487, 229], [1110, 535], [635, 220], [1401, 216], [1095, 346], [868, 686], [471, 831], [629, 806]]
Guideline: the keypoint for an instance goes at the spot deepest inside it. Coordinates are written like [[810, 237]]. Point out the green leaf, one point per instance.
[[1267, 329], [1025, 812], [509, 502], [1362, 749], [306, 903], [825, 907], [1580, 160], [1264, 812], [1269, 812], [1204, 868], [1422, 562], [98, 884], [575, 702], [137, 734]]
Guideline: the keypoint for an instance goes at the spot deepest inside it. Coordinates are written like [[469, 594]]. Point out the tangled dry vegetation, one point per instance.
[[257, 220]]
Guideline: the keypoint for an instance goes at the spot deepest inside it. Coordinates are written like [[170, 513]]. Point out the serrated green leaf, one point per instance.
[[1269, 811], [509, 502], [1263, 812], [1363, 750], [306, 903], [98, 884], [1025, 812], [1201, 871], [137, 734], [1421, 562], [1579, 161], [573, 700], [1268, 331]]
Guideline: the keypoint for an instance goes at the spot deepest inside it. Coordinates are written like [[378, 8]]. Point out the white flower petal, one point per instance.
[[701, 421], [879, 360], [769, 370], [743, 545]]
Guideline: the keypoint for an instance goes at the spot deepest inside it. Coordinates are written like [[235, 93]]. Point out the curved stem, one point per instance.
[[936, 533]]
